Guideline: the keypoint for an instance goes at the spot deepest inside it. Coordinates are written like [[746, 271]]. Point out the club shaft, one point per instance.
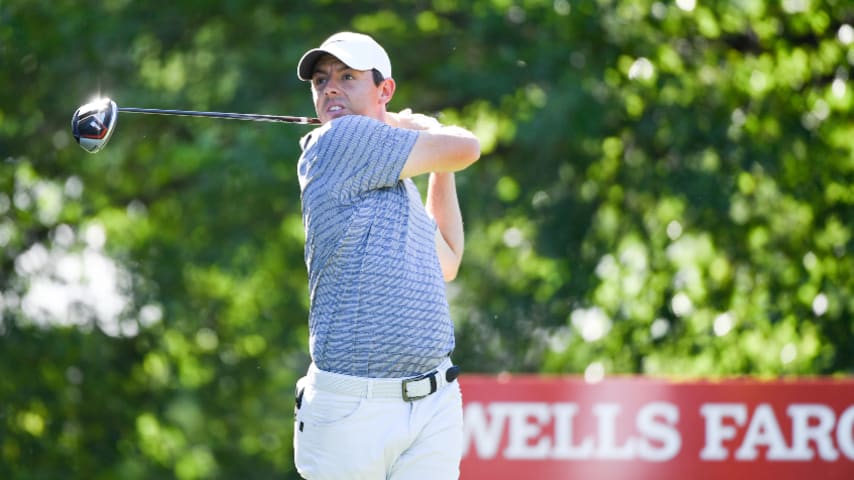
[[255, 117]]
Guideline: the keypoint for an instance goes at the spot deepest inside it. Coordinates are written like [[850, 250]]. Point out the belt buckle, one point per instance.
[[433, 386]]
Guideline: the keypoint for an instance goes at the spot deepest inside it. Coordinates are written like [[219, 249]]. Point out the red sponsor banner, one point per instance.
[[634, 428]]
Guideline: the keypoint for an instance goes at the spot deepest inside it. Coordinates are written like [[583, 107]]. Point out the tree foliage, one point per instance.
[[666, 189]]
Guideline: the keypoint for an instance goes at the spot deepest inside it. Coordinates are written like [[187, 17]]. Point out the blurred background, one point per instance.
[[666, 189]]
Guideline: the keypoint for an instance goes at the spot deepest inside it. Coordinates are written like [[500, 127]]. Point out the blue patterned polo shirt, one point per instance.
[[378, 304]]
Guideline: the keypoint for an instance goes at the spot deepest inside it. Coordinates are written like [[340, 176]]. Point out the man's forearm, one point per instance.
[[439, 148], [443, 205]]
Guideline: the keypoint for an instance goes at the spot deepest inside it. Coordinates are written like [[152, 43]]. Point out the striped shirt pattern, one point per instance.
[[378, 304]]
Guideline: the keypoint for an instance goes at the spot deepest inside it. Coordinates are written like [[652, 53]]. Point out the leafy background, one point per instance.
[[666, 189]]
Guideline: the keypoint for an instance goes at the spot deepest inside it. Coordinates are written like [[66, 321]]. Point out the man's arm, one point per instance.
[[443, 205], [439, 148], [440, 151]]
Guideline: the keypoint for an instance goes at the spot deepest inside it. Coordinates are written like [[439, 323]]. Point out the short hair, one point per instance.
[[378, 77]]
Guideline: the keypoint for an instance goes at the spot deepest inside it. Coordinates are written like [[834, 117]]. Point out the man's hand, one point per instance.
[[411, 121], [439, 148]]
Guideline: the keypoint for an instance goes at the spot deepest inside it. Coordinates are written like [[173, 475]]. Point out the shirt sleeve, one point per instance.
[[367, 154]]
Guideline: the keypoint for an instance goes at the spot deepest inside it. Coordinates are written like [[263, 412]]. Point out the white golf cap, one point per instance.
[[356, 50]]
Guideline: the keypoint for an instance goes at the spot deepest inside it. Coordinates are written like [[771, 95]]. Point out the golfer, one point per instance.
[[380, 399]]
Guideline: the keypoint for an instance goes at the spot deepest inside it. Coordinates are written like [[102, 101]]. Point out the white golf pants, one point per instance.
[[368, 434]]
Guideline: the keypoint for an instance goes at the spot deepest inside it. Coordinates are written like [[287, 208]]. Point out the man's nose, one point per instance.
[[331, 87]]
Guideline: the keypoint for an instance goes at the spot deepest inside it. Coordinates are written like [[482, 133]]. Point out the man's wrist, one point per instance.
[[413, 121]]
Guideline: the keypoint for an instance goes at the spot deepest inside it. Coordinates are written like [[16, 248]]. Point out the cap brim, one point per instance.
[[306, 64]]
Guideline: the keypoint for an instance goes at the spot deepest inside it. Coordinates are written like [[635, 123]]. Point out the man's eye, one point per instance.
[[319, 81], [348, 76]]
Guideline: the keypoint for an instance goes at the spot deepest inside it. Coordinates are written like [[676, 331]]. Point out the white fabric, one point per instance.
[[356, 50], [375, 387], [368, 436]]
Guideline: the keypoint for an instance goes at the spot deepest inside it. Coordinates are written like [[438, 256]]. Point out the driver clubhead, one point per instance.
[[92, 124]]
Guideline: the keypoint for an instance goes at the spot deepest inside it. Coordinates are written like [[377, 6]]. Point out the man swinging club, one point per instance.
[[380, 400]]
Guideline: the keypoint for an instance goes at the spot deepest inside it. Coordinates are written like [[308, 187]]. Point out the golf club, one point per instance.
[[93, 124]]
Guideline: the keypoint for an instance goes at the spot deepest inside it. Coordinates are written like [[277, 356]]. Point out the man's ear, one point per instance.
[[387, 88]]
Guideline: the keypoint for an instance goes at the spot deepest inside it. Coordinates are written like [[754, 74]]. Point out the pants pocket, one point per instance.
[[329, 437], [320, 408]]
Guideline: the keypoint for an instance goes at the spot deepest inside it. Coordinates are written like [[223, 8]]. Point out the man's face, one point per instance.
[[339, 90]]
